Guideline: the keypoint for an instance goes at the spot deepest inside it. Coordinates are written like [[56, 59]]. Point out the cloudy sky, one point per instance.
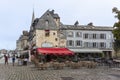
[[15, 15]]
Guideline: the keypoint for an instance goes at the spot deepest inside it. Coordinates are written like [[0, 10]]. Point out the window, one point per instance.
[[102, 45], [94, 45], [47, 15], [47, 33], [78, 43], [90, 36], [110, 36], [46, 22], [102, 36], [110, 45], [70, 43], [54, 33], [94, 36], [78, 34], [56, 39], [86, 44], [56, 19], [86, 35], [70, 34], [56, 46]]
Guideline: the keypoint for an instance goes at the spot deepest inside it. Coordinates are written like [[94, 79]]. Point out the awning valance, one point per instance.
[[86, 50], [55, 51]]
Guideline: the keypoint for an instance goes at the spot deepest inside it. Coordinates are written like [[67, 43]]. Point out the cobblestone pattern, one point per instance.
[[9, 72]]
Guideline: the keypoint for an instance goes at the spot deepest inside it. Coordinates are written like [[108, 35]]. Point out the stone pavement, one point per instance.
[[9, 72]]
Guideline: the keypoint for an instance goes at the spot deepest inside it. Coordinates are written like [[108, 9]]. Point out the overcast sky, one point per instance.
[[15, 15]]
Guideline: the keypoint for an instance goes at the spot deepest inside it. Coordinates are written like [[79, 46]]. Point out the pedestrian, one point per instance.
[[25, 61], [13, 60], [19, 61], [6, 59]]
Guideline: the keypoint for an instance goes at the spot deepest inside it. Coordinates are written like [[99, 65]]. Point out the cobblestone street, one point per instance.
[[9, 72]]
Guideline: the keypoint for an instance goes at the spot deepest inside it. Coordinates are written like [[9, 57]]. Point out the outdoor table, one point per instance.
[[116, 62]]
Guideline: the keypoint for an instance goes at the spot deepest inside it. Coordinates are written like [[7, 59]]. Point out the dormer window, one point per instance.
[[47, 33], [70, 34], [56, 19], [78, 34], [46, 22], [47, 15]]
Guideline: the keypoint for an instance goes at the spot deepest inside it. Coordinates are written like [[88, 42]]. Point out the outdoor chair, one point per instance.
[[75, 65], [116, 63], [88, 64], [57, 65], [68, 63], [42, 66]]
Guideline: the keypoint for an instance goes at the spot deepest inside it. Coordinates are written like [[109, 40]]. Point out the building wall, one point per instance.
[[108, 40], [18, 45], [50, 41], [22, 43], [89, 43], [57, 21], [25, 43], [62, 43]]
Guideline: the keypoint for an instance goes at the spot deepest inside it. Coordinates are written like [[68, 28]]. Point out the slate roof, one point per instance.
[[40, 23], [87, 27], [54, 15]]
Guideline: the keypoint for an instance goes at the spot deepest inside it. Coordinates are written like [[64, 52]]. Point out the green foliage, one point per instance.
[[116, 31], [117, 45], [115, 10], [116, 26]]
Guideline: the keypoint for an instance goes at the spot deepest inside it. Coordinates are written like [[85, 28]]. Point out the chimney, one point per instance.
[[52, 11]]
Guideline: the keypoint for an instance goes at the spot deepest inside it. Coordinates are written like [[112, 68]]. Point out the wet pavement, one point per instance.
[[29, 72]]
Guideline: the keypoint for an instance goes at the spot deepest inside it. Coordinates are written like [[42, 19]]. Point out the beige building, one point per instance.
[[3, 51]]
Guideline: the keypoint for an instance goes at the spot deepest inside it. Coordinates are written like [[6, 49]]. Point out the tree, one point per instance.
[[116, 47], [116, 31]]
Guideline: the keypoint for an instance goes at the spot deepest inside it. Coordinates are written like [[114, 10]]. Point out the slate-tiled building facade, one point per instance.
[[44, 31]]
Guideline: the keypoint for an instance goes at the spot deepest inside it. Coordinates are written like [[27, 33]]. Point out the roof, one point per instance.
[[47, 17], [54, 15], [55, 51], [87, 27]]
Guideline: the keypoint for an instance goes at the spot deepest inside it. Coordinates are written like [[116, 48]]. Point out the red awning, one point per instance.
[[55, 51]]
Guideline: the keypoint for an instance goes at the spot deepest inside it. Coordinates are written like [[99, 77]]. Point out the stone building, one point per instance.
[[44, 31], [22, 42]]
